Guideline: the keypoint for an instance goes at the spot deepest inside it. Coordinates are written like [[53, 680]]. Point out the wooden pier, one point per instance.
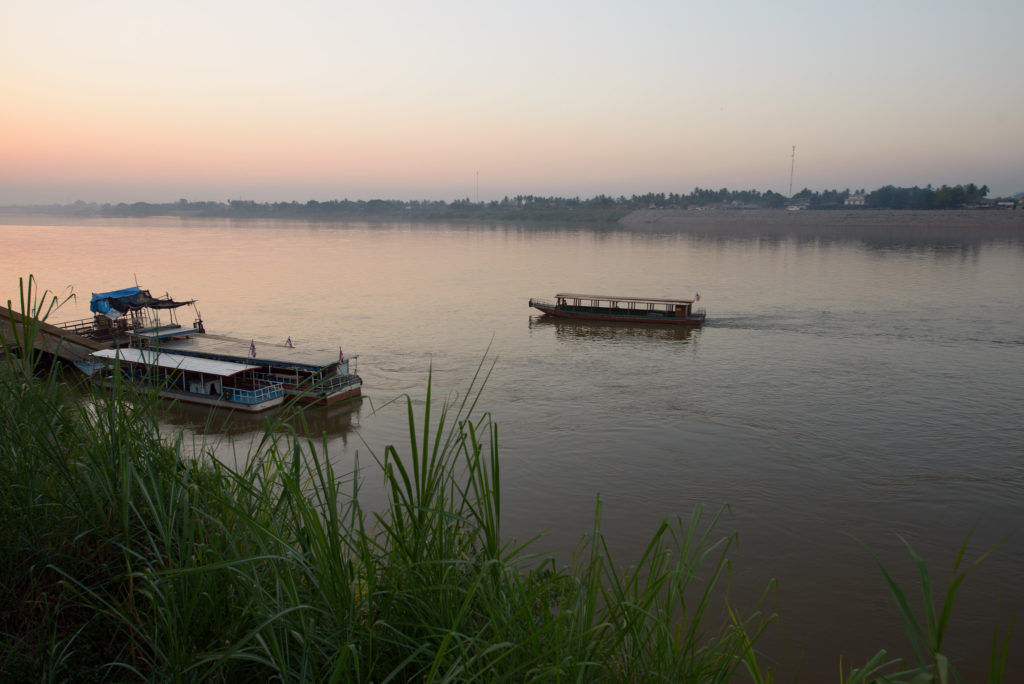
[[51, 339]]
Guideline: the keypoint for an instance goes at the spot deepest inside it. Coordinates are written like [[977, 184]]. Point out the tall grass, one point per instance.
[[930, 661], [122, 560]]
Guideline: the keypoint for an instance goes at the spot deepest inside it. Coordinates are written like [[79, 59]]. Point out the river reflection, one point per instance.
[[597, 331], [335, 422]]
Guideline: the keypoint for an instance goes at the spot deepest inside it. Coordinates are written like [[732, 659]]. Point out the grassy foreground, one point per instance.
[[122, 560]]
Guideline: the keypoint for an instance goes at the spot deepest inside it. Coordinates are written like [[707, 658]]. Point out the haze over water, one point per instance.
[[842, 389]]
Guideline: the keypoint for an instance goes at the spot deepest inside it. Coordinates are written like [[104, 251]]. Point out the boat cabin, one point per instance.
[[196, 380], [643, 306]]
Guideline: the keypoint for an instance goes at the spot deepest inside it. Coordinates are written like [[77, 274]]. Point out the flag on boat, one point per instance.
[[289, 343], [341, 356], [252, 348], [696, 297]]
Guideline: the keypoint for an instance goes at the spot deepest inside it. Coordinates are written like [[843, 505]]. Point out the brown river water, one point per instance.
[[850, 387]]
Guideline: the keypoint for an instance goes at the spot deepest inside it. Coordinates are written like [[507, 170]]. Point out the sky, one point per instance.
[[211, 100]]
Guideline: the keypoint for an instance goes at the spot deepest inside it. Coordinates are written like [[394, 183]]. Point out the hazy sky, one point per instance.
[[120, 100]]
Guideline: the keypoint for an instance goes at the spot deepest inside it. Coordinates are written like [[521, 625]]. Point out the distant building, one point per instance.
[[999, 203], [855, 200]]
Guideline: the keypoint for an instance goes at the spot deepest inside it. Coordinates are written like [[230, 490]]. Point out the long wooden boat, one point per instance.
[[621, 308], [224, 384]]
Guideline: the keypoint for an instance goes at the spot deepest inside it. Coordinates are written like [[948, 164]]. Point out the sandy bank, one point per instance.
[[865, 223]]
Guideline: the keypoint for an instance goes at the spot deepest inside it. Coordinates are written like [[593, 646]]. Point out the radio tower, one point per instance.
[[792, 164]]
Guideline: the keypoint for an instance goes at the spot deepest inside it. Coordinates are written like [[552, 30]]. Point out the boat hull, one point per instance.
[[191, 398], [564, 312], [207, 399], [320, 398]]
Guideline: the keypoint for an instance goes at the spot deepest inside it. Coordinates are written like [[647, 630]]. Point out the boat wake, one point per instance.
[[860, 324]]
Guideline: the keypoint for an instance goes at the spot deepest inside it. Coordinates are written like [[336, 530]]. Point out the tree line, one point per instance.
[[601, 209]]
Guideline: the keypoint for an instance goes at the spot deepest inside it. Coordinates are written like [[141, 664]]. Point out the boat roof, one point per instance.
[[164, 360], [267, 353], [620, 298]]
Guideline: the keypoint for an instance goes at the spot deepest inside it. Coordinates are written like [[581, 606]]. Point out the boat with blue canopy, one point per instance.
[[133, 310]]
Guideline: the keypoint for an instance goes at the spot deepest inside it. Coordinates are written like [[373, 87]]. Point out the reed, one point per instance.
[[930, 661], [122, 560]]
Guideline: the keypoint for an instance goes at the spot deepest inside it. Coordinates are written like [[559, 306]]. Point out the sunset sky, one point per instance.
[[119, 100]]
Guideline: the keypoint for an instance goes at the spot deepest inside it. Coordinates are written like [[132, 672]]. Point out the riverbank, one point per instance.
[[862, 223]]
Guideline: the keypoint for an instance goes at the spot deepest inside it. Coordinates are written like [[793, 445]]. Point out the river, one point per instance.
[[845, 390]]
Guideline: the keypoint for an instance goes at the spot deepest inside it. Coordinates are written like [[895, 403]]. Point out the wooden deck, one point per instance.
[[51, 339]]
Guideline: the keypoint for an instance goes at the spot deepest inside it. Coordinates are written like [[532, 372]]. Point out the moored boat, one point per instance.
[[623, 309], [210, 382], [308, 374], [120, 313], [132, 317]]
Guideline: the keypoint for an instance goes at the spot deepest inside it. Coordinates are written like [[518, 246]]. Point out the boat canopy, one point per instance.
[[616, 298], [118, 302], [175, 361]]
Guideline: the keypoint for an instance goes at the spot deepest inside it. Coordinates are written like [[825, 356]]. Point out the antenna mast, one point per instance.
[[792, 164]]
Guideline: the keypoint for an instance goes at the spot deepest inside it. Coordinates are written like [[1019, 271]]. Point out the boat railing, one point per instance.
[[335, 382], [264, 391], [97, 328], [272, 378], [79, 327], [315, 382]]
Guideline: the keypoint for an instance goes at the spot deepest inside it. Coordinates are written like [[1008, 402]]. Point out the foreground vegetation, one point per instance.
[[120, 559]]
